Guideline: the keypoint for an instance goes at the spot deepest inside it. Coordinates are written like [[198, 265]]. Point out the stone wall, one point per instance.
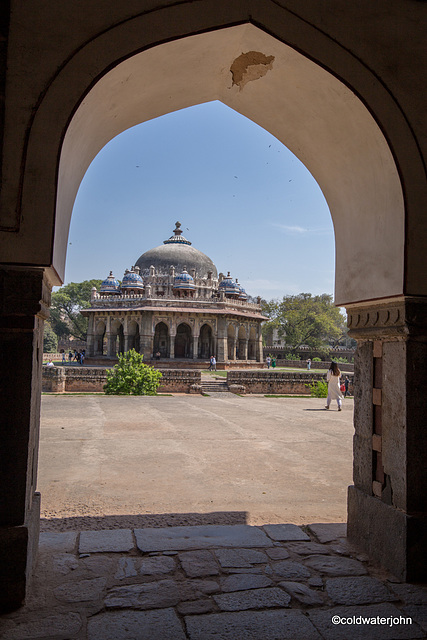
[[276, 382], [93, 379], [302, 364]]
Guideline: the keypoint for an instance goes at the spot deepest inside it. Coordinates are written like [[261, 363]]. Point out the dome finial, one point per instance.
[[177, 238]]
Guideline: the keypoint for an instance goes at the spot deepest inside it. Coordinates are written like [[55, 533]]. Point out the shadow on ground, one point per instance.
[[139, 521]]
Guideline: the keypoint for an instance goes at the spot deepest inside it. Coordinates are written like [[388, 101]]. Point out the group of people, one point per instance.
[[335, 388], [271, 362], [77, 356]]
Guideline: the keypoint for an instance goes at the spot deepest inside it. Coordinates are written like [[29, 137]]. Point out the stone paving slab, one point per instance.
[[354, 630], [327, 532], [254, 599], [108, 540], [197, 564], [241, 557], [285, 532], [162, 624], [252, 625], [359, 590], [65, 541], [335, 566], [59, 627], [303, 593], [200, 537], [241, 582]]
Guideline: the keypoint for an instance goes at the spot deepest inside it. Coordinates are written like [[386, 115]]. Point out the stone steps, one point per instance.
[[214, 386]]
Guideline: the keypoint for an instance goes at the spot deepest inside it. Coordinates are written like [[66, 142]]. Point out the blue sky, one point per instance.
[[242, 198]]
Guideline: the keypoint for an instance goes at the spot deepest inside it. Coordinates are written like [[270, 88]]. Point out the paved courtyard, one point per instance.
[[119, 473], [223, 582], [141, 461]]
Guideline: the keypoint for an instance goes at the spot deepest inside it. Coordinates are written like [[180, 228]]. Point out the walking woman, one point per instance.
[[333, 379]]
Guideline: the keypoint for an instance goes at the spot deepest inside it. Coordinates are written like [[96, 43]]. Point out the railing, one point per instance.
[[113, 301]]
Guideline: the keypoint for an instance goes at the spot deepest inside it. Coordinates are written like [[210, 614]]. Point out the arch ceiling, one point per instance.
[[310, 111]]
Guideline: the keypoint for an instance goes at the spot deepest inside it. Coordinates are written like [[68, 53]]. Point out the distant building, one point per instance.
[[173, 305]]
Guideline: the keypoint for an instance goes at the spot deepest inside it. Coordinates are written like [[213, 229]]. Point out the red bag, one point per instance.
[[342, 388]]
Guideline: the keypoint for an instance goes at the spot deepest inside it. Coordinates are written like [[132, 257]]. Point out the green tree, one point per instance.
[[65, 316], [50, 339], [305, 319], [132, 377]]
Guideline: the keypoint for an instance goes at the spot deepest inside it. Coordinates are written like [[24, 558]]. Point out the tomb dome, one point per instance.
[[110, 285], [177, 252]]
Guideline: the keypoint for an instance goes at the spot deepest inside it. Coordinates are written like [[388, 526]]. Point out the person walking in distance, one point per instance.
[[334, 392]]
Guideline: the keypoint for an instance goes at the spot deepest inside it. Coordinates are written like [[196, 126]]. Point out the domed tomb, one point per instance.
[[178, 252]]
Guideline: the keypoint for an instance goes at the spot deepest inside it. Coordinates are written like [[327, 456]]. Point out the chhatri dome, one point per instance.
[[177, 252]]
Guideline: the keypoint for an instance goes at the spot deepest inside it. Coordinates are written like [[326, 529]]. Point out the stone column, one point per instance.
[[387, 505], [24, 303], [244, 344], [221, 341], [195, 347], [146, 335], [90, 340], [127, 338], [172, 345], [259, 350], [111, 344]]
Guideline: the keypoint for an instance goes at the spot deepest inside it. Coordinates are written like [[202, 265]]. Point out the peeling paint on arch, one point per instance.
[[250, 66]]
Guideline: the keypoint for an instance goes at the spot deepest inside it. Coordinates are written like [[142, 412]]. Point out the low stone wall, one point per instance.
[[93, 379], [276, 382], [302, 364]]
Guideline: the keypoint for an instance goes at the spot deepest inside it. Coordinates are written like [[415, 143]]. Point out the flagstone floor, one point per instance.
[[213, 582]]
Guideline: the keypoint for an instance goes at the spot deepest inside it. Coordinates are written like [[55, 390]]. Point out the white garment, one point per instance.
[[334, 391]]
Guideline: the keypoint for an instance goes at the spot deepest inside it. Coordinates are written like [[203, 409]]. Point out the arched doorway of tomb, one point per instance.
[[183, 341], [116, 338], [242, 341], [252, 344], [161, 340], [231, 342], [100, 339], [205, 342], [132, 336]]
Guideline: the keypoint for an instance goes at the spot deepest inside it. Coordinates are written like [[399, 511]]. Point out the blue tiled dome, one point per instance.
[[132, 280], [230, 288], [183, 281], [242, 293], [110, 285]]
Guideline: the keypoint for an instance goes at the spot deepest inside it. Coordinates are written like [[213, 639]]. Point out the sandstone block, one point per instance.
[[253, 599], [359, 590], [198, 563], [114, 540], [162, 624], [285, 532], [335, 566]]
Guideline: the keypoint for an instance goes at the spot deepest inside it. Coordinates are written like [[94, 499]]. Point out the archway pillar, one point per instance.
[[195, 346], [387, 505], [24, 303], [172, 337], [111, 343]]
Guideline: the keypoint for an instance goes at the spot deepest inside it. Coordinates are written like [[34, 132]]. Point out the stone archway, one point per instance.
[[161, 340], [323, 92], [205, 342], [183, 341], [100, 341]]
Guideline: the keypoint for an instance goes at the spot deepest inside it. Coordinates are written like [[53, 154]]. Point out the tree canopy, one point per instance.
[[305, 319], [65, 317]]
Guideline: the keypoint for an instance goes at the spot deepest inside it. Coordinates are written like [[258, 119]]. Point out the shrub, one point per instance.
[[343, 360], [319, 389], [131, 377], [292, 356], [317, 360]]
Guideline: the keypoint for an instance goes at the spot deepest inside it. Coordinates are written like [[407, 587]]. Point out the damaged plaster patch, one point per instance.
[[250, 66]]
